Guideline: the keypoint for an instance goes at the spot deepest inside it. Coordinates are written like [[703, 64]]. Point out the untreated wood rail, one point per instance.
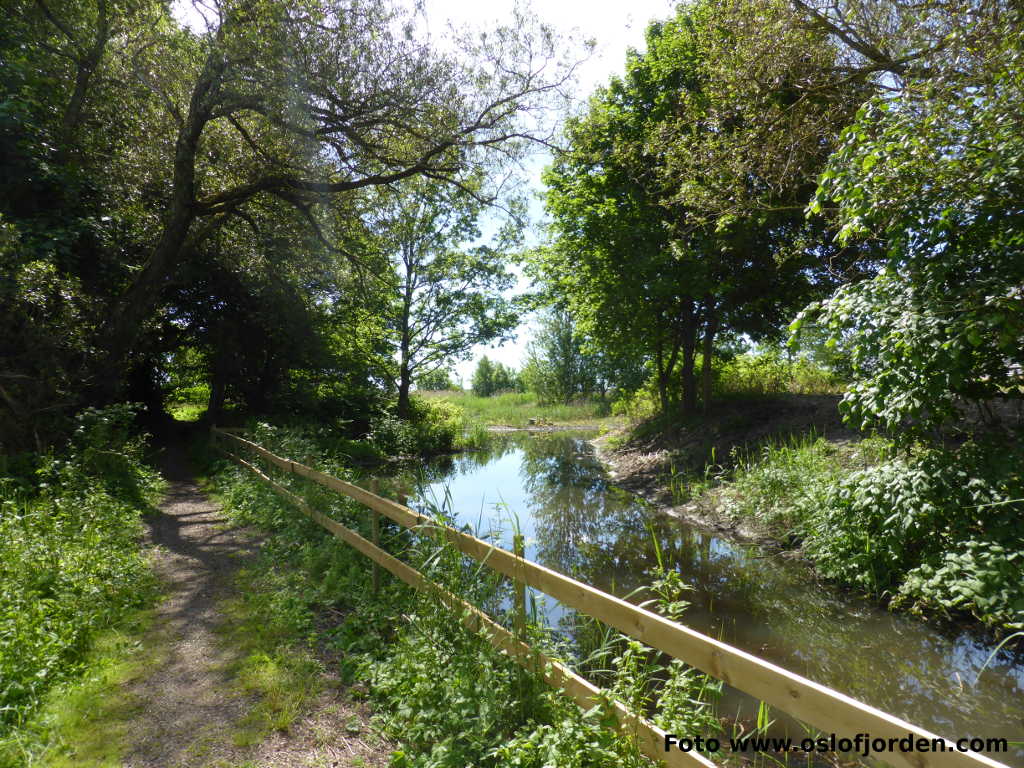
[[800, 697]]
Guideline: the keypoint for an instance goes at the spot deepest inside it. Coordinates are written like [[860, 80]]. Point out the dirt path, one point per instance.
[[188, 704]]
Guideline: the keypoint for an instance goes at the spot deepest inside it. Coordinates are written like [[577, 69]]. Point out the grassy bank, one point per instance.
[[444, 696], [71, 569], [518, 409], [933, 530]]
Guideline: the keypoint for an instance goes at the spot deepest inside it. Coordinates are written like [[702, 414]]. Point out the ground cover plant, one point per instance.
[[442, 692], [70, 561], [932, 531]]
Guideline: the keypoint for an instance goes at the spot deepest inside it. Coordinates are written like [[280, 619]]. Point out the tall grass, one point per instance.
[[517, 409]]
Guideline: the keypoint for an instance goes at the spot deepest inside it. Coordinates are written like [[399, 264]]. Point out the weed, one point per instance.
[[70, 564]]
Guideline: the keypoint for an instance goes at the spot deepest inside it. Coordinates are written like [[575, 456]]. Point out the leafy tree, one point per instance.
[[504, 379], [936, 173], [438, 379], [167, 187], [646, 255], [483, 378], [556, 367], [447, 295]]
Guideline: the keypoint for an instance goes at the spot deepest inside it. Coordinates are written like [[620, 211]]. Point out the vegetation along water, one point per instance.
[[769, 253]]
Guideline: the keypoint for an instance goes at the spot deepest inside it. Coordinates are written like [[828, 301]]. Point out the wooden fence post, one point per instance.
[[519, 607], [375, 523]]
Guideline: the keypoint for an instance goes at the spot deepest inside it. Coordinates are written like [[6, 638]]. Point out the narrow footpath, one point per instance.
[[188, 706]]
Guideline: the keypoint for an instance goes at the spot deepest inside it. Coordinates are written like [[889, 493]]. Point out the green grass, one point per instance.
[[82, 723], [274, 663], [516, 409], [786, 480], [186, 411]]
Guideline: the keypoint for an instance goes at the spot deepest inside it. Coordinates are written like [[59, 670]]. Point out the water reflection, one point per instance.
[[576, 523]]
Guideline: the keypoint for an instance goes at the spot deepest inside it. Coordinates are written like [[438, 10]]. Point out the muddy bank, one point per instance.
[[644, 463]]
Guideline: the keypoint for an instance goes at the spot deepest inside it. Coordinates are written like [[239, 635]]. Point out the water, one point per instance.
[[575, 522]]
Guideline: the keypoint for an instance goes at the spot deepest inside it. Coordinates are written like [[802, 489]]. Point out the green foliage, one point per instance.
[[163, 227], [936, 173], [558, 369], [770, 372], [675, 209], [436, 381], [787, 481], [490, 378], [446, 297], [937, 530], [432, 427], [933, 530], [70, 564]]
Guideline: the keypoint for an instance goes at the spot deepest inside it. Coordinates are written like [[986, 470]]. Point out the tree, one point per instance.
[[934, 172], [447, 296], [556, 367], [322, 99], [436, 380], [658, 243], [483, 378], [159, 178]]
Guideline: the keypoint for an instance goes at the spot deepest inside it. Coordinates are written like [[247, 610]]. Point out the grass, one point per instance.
[[781, 483], [186, 411], [82, 723], [517, 409], [273, 664]]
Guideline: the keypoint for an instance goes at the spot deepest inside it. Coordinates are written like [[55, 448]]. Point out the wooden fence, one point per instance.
[[810, 702]]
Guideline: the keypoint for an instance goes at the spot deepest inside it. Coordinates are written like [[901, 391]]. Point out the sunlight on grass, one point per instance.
[[83, 724], [516, 409]]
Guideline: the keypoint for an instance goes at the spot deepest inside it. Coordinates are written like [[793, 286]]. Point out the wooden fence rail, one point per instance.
[[804, 699]]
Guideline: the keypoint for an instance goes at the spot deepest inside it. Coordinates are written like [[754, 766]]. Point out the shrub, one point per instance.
[[932, 528], [70, 561]]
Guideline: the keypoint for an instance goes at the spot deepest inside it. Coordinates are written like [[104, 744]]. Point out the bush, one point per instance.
[[434, 426], [933, 528], [770, 372], [70, 561]]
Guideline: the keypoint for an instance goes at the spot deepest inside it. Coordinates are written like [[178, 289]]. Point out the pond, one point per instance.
[[575, 521]]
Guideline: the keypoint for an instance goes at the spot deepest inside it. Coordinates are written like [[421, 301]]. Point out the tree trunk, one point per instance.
[[405, 369], [687, 377], [710, 329], [665, 368], [122, 330], [404, 384]]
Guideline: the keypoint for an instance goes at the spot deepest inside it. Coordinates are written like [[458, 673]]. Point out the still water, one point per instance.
[[575, 522]]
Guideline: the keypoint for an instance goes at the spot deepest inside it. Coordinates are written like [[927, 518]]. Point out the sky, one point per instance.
[[614, 25]]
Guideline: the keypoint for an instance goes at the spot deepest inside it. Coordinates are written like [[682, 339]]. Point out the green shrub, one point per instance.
[[70, 561], [932, 528]]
